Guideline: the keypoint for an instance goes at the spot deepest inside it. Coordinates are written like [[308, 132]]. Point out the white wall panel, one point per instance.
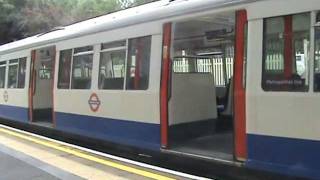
[[136, 105], [284, 114], [17, 97], [272, 8]]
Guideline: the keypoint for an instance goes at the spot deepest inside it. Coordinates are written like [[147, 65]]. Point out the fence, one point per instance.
[[208, 65], [274, 62]]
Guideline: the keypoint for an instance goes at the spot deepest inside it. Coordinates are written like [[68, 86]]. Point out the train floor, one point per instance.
[[43, 123], [27, 156], [219, 145]]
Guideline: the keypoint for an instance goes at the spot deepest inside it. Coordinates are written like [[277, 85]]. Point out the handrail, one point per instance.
[[197, 57]]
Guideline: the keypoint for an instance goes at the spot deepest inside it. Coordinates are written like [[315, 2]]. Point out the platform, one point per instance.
[[27, 156]]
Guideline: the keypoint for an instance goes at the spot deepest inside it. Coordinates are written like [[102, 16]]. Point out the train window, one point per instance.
[[286, 53], [45, 68], [317, 56], [138, 63], [22, 72], [64, 69], [112, 69], [3, 66], [17, 73], [13, 73], [317, 61], [82, 68]]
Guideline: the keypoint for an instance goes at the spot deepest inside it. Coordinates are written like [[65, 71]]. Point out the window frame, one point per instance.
[[17, 63], [309, 85], [96, 54], [78, 54], [113, 49], [25, 72], [5, 65], [59, 69], [315, 20], [73, 54], [71, 69], [150, 57]]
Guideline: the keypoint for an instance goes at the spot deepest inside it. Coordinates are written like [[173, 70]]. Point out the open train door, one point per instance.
[[41, 86], [240, 138], [214, 124]]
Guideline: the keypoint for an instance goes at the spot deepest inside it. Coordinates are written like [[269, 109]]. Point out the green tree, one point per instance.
[[23, 18], [140, 2], [8, 29]]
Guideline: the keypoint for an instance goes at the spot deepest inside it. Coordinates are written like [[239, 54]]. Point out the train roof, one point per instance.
[[149, 12]]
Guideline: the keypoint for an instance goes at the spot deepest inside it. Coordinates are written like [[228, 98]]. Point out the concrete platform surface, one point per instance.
[[24, 156], [12, 168]]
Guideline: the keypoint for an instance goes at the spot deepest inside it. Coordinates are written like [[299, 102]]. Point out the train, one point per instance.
[[235, 81]]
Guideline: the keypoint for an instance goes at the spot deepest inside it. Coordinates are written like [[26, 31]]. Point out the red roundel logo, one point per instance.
[[94, 102]]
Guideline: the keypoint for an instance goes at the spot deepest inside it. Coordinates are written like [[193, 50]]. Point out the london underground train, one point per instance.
[[231, 80]]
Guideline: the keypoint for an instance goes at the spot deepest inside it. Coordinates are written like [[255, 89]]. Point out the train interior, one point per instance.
[[42, 82], [201, 99]]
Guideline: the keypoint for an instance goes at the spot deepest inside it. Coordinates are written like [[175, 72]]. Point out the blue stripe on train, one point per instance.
[[14, 113], [295, 157], [142, 135]]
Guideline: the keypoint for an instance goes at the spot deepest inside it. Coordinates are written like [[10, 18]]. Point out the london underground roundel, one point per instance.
[[94, 102]]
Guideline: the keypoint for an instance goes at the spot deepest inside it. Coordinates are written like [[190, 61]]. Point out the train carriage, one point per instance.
[[233, 81]]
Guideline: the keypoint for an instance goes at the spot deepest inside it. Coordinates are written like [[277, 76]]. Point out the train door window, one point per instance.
[[82, 68], [22, 72], [112, 65], [45, 71], [138, 63], [13, 73], [64, 69], [286, 53], [3, 66], [317, 55]]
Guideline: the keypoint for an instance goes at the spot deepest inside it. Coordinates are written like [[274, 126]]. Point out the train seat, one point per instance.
[[193, 98]]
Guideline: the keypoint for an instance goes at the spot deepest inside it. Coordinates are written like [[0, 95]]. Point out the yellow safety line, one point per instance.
[[86, 156]]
